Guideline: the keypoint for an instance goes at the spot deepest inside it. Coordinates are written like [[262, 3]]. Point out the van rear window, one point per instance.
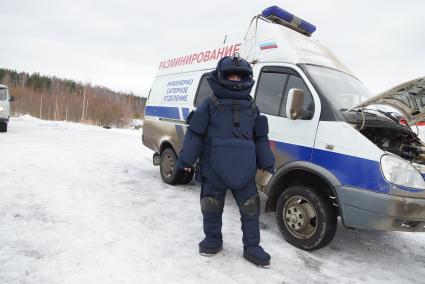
[[3, 94], [204, 91]]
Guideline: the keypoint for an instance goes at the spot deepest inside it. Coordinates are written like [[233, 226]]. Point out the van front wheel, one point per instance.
[[306, 218]]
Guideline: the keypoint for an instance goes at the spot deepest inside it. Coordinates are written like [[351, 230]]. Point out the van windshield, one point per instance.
[[341, 89], [3, 94]]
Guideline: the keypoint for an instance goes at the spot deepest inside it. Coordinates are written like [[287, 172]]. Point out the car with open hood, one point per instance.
[[339, 149]]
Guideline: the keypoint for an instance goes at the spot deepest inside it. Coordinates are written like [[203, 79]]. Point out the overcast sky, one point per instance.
[[119, 44]]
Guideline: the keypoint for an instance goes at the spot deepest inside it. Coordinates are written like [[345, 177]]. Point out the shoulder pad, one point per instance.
[[199, 122]]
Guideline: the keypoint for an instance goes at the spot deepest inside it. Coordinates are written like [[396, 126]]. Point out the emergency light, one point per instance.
[[279, 16]]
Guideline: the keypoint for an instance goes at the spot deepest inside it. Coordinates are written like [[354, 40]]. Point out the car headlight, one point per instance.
[[1, 109], [400, 172]]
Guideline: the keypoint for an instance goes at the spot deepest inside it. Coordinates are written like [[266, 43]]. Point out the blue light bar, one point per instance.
[[277, 14]]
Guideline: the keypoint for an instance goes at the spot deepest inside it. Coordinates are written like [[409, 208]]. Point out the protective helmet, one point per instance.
[[234, 65]]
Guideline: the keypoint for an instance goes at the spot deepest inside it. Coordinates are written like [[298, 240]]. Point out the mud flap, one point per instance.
[[234, 160]]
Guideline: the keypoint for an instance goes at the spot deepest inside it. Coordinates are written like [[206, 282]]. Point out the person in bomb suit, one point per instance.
[[230, 137]]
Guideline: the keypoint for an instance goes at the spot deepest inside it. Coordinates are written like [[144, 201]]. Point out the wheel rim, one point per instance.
[[300, 217], [167, 165]]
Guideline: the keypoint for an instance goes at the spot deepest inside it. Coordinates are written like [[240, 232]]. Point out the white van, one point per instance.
[[337, 151], [5, 100]]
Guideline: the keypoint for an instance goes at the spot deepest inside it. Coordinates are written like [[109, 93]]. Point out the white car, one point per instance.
[[5, 100]]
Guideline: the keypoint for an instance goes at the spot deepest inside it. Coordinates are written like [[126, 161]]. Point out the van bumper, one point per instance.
[[361, 208], [4, 119]]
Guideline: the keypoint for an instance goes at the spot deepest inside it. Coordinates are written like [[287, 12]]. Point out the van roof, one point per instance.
[[3, 86], [265, 42]]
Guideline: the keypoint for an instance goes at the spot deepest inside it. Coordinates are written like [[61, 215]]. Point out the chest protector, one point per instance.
[[230, 137]]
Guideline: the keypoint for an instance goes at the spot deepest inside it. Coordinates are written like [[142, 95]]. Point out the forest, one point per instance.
[[53, 98]]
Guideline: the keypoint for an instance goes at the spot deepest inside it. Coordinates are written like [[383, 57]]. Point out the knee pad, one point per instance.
[[212, 205], [251, 206]]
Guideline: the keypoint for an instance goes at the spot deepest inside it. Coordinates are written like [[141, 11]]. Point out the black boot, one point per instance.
[[257, 256], [250, 217], [210, 247]]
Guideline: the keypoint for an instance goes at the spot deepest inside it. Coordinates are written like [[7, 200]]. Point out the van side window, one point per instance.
[[270, 90], [296, 82], [204, 91]]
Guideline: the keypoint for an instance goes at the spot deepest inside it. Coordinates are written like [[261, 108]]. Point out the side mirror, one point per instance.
[[294, 104], [12, 99]]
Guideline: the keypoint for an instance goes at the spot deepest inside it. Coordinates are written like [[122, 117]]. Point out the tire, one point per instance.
[[168, 165], [3, 127], [306, 218]]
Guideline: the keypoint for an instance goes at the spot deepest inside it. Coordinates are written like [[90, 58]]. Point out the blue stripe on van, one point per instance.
[[292, 152], [350, 170], [353, 171], [163, 111], [168, 112], [185, 111]]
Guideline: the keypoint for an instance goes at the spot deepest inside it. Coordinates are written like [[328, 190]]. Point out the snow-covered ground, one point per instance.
[[82, 204]]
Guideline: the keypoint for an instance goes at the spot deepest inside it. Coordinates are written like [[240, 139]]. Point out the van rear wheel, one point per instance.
[[168, 166], [169, 174], [306, 218], [3, 127]]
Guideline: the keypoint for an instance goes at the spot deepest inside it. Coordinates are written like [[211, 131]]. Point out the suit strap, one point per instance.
[[253, 106], [236, 113]]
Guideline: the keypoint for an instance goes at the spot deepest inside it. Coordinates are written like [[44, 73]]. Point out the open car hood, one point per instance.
[[408, 98]]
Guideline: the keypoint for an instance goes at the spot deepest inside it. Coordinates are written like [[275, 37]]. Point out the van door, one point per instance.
[[291, 140]]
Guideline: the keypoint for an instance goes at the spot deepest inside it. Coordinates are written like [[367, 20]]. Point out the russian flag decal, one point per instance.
[[268, 44]]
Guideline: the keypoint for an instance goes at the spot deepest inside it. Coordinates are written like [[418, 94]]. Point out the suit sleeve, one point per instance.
[[264, 155], [192, 143]]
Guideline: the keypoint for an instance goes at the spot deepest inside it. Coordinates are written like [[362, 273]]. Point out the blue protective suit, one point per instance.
[[229, 136]]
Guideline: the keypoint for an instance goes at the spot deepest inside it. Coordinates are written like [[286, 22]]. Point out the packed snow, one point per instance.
[[83, 204]]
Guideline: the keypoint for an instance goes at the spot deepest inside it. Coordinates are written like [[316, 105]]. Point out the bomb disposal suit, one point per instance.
[[229, 136]]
